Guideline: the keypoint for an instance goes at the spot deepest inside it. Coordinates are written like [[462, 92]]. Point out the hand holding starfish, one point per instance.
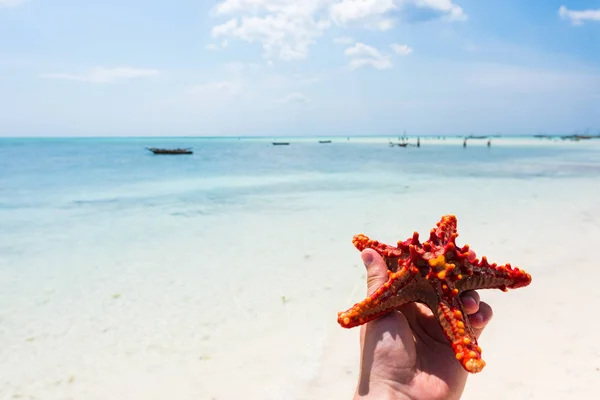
[[414, 289], [404, 355]]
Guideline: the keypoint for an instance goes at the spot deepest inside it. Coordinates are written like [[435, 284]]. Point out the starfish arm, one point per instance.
[[393, 294], [482, 275], [444, 232], [390, 254], [457, 329]]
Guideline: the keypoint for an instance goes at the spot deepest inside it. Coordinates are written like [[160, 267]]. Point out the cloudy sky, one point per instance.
[[294, 67]]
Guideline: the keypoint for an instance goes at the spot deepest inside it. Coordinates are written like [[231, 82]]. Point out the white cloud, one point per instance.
[[364, 55], [225, 28], [295, 97], [12, 3], [105, 75], [343, 40], [577, 17], [371, 12], [287, 29], [221, 87], [375, 14], [401, 49]]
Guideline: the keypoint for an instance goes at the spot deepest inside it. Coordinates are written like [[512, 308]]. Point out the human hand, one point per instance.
[[405, 355]]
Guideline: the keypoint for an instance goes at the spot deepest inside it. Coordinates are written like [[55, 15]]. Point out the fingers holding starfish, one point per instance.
[[479, 312], [376, 270], [470, 301]]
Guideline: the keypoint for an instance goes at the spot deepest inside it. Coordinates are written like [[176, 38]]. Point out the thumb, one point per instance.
[[377, 273]]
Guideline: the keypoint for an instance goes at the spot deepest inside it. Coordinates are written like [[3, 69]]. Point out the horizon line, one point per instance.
[[300, 136]]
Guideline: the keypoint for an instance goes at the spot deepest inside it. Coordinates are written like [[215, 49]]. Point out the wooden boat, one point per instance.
[[156, 150], [281, 143], [324, 141], [402, 144]]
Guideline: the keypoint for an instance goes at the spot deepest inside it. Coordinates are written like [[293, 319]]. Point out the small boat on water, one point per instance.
[[402, 144], [281, 143], [324, 141], [156, 150]]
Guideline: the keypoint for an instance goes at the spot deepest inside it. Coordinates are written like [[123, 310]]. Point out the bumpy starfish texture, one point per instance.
[[434, 273]]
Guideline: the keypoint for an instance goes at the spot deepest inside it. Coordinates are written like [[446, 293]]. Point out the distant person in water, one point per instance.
[[489, 144], [465, 142], [404, 355]]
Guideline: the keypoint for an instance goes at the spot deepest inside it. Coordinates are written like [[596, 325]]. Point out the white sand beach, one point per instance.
[[243, 304]]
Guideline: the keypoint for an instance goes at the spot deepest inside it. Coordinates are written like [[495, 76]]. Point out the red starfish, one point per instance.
[[434, 273]]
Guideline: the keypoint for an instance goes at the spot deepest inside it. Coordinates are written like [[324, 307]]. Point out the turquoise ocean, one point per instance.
[[61, 178]]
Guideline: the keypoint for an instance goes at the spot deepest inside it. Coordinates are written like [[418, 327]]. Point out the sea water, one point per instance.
[[120, 269]]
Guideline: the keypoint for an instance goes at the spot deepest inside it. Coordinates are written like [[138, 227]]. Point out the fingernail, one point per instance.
[[468, 299], [367, 258], [476, 319]]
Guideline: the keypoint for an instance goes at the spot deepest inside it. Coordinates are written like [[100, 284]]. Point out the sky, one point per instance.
[[298, 67]]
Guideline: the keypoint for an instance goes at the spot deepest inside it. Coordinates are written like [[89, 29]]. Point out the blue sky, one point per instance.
[[295, 67]]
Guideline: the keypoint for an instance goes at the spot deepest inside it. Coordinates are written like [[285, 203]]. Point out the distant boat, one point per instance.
[[281, 143], [477, 137], [156, 150], [580, 137], [324, 141]]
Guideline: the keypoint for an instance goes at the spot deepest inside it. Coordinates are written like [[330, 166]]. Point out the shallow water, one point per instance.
[[71, 173]]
